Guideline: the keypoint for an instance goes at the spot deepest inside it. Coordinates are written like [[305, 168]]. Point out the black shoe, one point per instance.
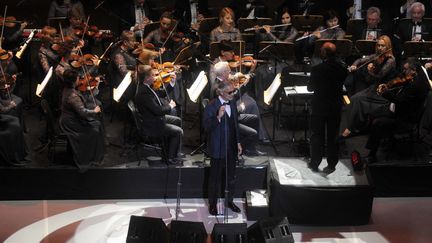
[[255, 152], [175, 162], [329, 170], [313, 168], [234, 207], [213, 210]]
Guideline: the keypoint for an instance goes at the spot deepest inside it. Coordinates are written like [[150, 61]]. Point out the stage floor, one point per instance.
[[393, 220]]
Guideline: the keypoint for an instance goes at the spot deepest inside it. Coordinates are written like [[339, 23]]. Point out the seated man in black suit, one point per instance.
[[406, 108], [416, 29], [371, 28], [155, 121]]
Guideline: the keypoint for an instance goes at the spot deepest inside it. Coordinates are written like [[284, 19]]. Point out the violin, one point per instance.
[[166, 71], [87, 82], [247, 61], [398, 81], [5, 55], [10, 21]]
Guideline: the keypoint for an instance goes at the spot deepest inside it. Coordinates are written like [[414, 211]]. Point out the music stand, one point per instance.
[[214, 48], [353, 25], [308, 22], [150, 27], [244, 23], [281, 50], [343, 46], [207, 25], [365, 47], [186, 54], [56, 22], [417, 49]]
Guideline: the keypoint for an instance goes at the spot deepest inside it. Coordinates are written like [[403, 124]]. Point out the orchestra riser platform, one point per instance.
[[117, 182]]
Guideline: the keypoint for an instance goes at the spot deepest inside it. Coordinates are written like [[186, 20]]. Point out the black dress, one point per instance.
[[13, 148], [82, 129]]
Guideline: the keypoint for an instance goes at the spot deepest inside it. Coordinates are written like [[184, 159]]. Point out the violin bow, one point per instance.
[[4, 77], [85, 27], [86, 73], [3, 26], [170, 34]]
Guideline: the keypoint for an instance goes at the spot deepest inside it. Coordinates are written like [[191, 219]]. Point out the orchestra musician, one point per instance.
[[381, 67], [226, 29], [154, 112], [406, 107], [416, 29], [80, 125], [223, 144], [166, 38], [284, 33], [371, 28], [13, 148], [12, 34], [190, 13], [249, 9], [137, 15], [326, 81], [66, 8]]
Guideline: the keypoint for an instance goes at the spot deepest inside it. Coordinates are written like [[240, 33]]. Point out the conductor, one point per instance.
[[223, 144]]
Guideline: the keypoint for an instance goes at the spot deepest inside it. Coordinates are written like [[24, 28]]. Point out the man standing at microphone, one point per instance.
[[223, 143]]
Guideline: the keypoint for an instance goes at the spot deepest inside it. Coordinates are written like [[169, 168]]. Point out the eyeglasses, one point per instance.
[[230, 92]]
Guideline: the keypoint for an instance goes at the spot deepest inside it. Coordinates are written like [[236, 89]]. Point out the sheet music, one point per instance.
[[271, 90], [258, 199], [197, 87], [290, 90], [40, 87], [118, 93]]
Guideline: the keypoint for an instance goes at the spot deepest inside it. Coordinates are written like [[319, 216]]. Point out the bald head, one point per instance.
[[328, 50]]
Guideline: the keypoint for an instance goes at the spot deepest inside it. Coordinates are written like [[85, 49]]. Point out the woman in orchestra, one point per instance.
[[285, 33], [381, 67], [65, 8], [226, 29], [83, 130]]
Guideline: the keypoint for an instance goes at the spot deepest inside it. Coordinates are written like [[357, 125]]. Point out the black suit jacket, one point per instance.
[[215, 129], [326, 81], [151, 112], [405, 30], [182, 12], [128, 14], [240, 10], [359, 33]]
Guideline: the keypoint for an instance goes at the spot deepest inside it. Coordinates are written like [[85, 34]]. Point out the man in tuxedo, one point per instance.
[[155, 121], [137, 15], [223, 143], [190, 13], [326, 81], [416, 29]]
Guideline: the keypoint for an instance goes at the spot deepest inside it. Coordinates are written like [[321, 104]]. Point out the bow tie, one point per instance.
[[417, 23]]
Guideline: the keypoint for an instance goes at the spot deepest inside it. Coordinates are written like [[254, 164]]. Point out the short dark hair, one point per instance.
[[69, 78]]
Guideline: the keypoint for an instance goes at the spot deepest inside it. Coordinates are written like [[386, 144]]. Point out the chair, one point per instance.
[[144, 139], [53, 132]]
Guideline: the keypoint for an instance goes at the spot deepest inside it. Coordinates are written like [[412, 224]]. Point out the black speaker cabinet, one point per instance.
[[274, 230], [187, 232], [229, 233], [146, 230]]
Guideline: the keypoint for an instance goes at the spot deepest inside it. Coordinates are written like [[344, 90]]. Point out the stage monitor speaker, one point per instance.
[[146, 230], [274, 230], [229, 233], [187, 232]]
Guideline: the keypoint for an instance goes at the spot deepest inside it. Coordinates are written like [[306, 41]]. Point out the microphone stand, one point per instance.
[[226, 168]]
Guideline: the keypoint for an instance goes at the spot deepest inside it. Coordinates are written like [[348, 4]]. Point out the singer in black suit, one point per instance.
[[326, 81], [223, 143]]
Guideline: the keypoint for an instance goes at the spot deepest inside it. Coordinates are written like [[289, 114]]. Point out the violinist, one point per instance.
[[8, 79], [381, 67], [226, 29], [406, 107], [124, 61], [166, 38], [284, 33], [69, 51], [13, 31], [84, 132], [75, 28], [156, 121]]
